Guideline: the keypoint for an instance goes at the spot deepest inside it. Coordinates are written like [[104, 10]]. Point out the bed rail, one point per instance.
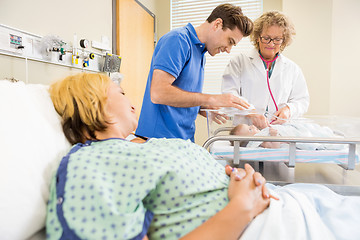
[[352, 142]]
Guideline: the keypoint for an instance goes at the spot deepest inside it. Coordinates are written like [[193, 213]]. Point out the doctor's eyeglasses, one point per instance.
[[267, 40]]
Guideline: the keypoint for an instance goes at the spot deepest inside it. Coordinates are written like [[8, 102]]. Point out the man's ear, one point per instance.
[[217, 24]]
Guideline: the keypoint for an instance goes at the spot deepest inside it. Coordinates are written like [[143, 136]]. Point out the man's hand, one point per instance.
[[163, 92], [226, 100]]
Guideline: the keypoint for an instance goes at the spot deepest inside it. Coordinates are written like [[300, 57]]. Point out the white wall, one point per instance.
[[89, 19], [326, 49], [311, 49], [161, 9], [345, 65], [269, 5]]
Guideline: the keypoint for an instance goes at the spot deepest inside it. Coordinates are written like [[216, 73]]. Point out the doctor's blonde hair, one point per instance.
[[80, 101], [273, 18]]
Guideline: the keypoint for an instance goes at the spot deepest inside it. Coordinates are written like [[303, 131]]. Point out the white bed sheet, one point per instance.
[[307, 211]]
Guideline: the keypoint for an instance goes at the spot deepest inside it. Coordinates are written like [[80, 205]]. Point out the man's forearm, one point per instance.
[[176, 97], [162, 91]]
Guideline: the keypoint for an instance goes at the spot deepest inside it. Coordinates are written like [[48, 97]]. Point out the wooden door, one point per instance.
[[135, 45]]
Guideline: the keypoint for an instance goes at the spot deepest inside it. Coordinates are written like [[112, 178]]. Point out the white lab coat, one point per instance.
[[245, 76]]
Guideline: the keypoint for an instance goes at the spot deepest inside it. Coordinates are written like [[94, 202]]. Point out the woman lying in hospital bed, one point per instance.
[[289, 129], [108, 188]]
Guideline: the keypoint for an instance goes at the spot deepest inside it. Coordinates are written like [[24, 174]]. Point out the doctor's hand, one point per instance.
[[259, 120], [226, 100], [281, 115]]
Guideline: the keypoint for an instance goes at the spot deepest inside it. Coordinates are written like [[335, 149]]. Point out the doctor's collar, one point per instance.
[[277, 54]]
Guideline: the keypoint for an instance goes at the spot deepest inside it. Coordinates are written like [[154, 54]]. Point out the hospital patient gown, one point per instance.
[[115, 188]]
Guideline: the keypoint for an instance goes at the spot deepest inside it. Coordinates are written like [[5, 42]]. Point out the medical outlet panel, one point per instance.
[[51, 49]]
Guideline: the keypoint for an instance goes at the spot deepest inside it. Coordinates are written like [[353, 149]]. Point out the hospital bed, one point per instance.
[[219, 140], [32, 144], [279, 165], [221, 149]]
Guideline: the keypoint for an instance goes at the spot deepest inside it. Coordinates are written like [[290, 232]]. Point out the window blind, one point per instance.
[[196, 12]]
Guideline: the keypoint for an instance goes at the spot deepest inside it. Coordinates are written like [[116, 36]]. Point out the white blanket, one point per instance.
[[307, 211]]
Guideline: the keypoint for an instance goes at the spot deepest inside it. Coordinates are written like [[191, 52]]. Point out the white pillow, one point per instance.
[[31, 146]]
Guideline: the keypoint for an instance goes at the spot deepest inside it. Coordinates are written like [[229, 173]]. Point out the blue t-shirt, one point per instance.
[[181, 54]]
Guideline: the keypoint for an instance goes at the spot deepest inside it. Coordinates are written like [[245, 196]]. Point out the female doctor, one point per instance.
[[274, 84]]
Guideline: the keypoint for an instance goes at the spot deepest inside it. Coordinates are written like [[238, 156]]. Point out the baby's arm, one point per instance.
[[272, 132]]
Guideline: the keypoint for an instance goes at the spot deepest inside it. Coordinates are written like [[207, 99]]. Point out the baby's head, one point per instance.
[[244, 130]]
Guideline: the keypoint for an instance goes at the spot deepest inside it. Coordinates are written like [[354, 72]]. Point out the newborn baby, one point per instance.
[[251, 130], [288, 130]]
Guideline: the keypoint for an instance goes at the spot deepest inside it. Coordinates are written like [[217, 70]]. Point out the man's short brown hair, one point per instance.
[[232, 17]]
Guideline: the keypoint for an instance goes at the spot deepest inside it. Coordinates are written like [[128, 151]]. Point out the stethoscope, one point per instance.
[[268, 78]]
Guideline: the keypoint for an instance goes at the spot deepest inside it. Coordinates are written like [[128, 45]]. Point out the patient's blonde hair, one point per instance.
[[80, 100]]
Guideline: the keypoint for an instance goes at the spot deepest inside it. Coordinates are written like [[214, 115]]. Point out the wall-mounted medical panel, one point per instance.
[[52, 49]]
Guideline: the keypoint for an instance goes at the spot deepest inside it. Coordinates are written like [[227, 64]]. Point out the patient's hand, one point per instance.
[[249, 194], [257, 178]]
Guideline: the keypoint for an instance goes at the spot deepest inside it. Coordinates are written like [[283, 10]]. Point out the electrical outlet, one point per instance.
[[15, 40]]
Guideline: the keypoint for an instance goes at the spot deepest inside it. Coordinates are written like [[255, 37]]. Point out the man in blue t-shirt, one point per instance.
[[173, 95]]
